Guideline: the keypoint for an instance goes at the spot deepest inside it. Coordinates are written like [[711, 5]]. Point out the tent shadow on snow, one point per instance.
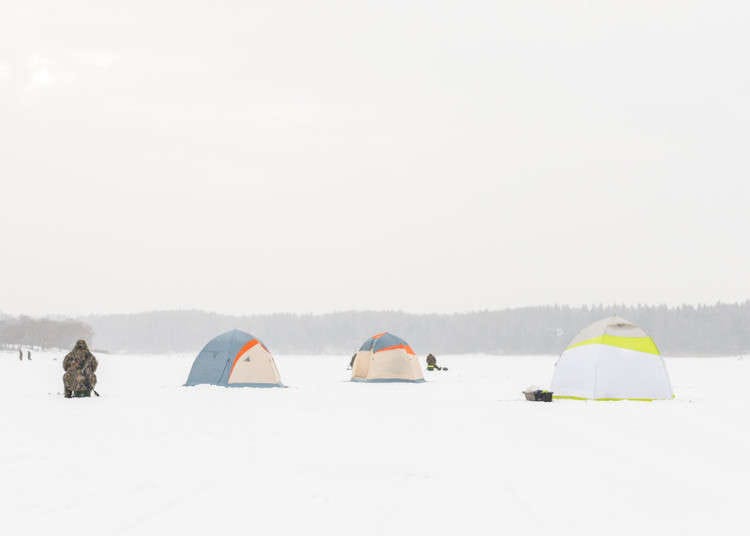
[[235, 359]]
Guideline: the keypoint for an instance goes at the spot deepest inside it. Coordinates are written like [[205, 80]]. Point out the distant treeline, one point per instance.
[[42, 332], [722, 329]]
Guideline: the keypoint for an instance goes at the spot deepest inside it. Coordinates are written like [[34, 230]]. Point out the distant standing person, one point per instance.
[[80, 367], [28, 355], [20, 354]]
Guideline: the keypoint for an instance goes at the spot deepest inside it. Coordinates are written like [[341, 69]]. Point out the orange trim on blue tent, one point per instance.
[[242, 351], [405, 347]]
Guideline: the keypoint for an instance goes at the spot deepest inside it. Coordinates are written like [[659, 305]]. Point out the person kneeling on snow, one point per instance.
[[432, 363], [80, 367]]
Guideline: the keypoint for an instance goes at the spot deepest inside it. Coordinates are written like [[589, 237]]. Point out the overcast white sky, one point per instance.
[[290, 155]]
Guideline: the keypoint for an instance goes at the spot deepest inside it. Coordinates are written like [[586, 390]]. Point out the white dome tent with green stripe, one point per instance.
[[612, 359]]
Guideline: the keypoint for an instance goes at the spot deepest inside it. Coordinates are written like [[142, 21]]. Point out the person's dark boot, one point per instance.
[[68, 393], [82, 394]]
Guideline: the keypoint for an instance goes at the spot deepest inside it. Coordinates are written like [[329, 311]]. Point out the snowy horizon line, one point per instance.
[[406, 312]]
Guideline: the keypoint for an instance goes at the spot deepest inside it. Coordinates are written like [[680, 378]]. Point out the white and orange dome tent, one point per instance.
[[235, 359], [386, 358]]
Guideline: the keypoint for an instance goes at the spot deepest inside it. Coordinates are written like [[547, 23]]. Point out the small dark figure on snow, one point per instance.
[[432, 363], [28, 355], [80, 367], [351, 363], [20, 354]]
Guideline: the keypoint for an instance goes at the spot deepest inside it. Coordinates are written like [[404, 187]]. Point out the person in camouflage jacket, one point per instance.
[[80, 367], [432, 363]]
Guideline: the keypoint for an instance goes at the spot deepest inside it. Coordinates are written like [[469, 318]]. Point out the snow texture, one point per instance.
[[459, 454]]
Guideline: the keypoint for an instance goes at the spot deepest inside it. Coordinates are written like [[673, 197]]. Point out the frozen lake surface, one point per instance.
[[459, 454]]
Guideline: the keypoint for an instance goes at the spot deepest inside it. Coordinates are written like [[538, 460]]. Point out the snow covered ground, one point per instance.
[[460, 454]]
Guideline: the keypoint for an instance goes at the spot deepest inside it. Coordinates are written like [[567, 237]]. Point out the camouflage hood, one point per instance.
[[80, 358]]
